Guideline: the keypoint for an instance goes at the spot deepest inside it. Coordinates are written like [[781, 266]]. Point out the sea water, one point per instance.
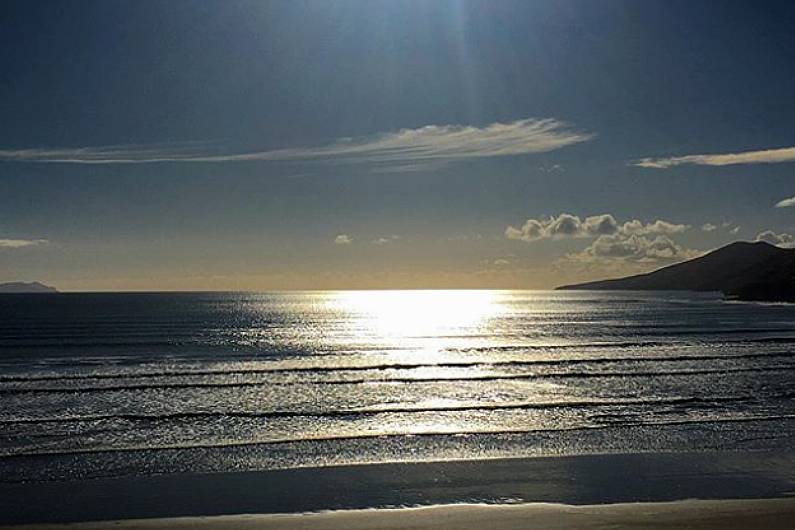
[[108, 385]]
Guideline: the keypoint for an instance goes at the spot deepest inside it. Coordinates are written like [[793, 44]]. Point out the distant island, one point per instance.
[[743, 271], [26, 287]]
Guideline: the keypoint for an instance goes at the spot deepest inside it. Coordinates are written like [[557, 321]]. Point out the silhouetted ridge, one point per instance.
[[26, 287], [746, 271]]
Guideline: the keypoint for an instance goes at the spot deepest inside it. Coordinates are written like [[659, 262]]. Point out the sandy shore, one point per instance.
[[770, 514], [585, 480]]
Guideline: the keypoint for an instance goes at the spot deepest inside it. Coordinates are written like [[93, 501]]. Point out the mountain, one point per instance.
[[26, 287], [741, 270]]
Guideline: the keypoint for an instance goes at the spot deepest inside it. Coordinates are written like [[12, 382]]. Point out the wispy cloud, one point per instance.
[[724, 226], [786, 203], [385, 240], [343, 239], [431, 145], [113, 154], [19, 243], [766, 156]]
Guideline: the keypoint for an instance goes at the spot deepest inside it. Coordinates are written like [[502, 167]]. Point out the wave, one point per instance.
[[389, 366], [391, 380], [645, 343], [361, 412], [104, 344], [386, 435], [231, 341]]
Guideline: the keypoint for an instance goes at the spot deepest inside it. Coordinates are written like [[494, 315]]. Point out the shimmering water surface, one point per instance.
[[119, 384]]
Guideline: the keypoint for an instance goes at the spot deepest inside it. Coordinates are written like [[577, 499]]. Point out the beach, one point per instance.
[[397, 264], [213, 409], [771, 514], [610, 488]]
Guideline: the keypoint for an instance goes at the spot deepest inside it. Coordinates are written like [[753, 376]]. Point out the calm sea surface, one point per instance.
[[98, 385]]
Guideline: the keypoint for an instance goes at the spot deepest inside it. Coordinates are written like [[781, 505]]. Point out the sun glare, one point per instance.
[[417, 314]]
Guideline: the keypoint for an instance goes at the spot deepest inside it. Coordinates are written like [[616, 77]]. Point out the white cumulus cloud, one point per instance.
[[634, 248], [657, 227], [628, 243], [567, 225], [708, 227], [343, 239], [786, 203], [783, 240]]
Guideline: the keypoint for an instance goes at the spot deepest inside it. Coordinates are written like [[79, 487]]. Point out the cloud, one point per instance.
[[786, 203], [571, 226], [554, 168], [631, 243], [780, 240], [657, 227], [725, 225], [384, 240], [112, 154], [19, 243], [343, 239], [766, 156], [465, 237], [563, 226], [633, 248], [429, 145]]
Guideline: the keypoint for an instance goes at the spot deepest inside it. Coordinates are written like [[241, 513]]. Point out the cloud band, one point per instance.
[[766, 156], [431, 144]]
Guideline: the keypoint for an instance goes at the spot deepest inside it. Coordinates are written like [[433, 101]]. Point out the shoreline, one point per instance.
[[584, 480], [771, 514]]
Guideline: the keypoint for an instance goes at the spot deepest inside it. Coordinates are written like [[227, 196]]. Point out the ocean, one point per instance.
[[149, 384]]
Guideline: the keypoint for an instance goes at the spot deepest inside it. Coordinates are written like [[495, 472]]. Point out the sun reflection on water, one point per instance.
[[417, 324], [407, 314]]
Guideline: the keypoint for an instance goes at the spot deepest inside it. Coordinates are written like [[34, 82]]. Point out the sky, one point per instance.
[[236, 145]]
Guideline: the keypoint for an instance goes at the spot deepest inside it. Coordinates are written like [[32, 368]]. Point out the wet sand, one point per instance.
[[771, 514], [642, 489]]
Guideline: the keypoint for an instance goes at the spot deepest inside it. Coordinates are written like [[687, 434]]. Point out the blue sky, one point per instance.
[[264, 145]]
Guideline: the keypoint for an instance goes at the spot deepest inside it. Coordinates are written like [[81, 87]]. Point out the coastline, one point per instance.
[[771, 514], [584, 480]]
